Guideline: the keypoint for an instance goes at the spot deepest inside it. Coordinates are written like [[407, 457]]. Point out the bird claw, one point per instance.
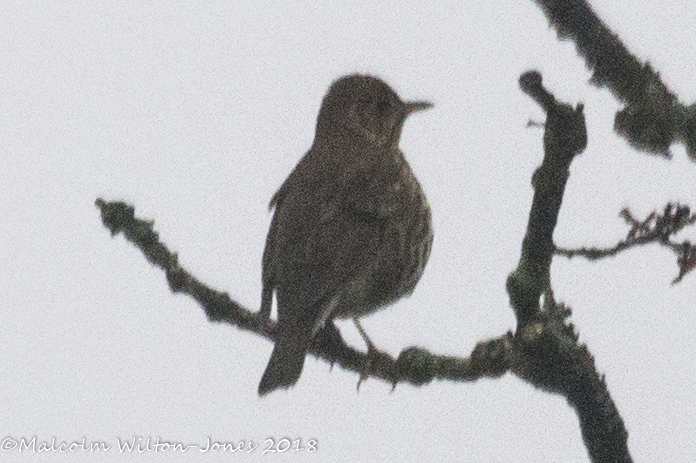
[[370, 357], [374, 362], [373, 356], [330, 337], [331, 333]]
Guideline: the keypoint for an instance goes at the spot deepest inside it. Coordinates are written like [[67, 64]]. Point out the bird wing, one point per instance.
[[323, 236], [270, 252]]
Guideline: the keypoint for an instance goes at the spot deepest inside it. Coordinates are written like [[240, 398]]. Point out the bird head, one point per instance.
[[367, 107]]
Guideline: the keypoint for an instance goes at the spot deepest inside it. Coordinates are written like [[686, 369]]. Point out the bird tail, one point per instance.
[[286, 363]]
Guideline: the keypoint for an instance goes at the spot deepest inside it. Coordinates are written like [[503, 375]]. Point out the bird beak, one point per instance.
[[415, 106]]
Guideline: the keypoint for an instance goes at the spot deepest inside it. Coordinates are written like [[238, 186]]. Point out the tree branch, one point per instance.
[[656, 228], [546, 351], [414, 365], [652, 117]]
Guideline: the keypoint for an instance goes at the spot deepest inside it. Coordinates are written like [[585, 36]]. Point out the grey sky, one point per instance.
[[195, 112]]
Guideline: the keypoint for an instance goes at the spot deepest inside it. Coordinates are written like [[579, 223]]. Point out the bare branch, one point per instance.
[[652, 117], [546, 351], [564, 137], [657, 228], [414, 365]]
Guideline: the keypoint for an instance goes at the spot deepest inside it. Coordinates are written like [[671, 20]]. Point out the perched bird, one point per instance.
[[351, 232]]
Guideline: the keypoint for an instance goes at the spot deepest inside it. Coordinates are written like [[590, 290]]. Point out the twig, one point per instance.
[[657, 228]]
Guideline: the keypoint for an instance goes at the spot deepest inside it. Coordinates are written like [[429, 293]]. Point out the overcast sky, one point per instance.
[[195, 112]]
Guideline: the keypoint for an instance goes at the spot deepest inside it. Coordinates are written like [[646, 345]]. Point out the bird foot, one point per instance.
[[330, 337], [373, 358], [375, 361]]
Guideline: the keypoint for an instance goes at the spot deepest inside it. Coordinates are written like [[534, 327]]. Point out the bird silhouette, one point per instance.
[[351, 231]]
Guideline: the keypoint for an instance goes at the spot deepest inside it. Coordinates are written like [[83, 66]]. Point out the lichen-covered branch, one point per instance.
[[414, 365], [564, 137], [657, 228], [652, 117], [546, 351]]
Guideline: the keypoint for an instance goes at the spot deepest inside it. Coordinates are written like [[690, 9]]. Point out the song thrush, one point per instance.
[[351, 232]]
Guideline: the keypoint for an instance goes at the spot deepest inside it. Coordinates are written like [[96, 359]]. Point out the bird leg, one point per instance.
[[331, 333], [372, 353], [330, 337], [361, 330]]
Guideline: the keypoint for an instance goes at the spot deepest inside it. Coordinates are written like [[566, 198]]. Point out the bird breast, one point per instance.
[[405, 241]]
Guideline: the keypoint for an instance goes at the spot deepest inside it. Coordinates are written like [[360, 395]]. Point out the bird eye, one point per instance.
[[382, 106], [365, 101]]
